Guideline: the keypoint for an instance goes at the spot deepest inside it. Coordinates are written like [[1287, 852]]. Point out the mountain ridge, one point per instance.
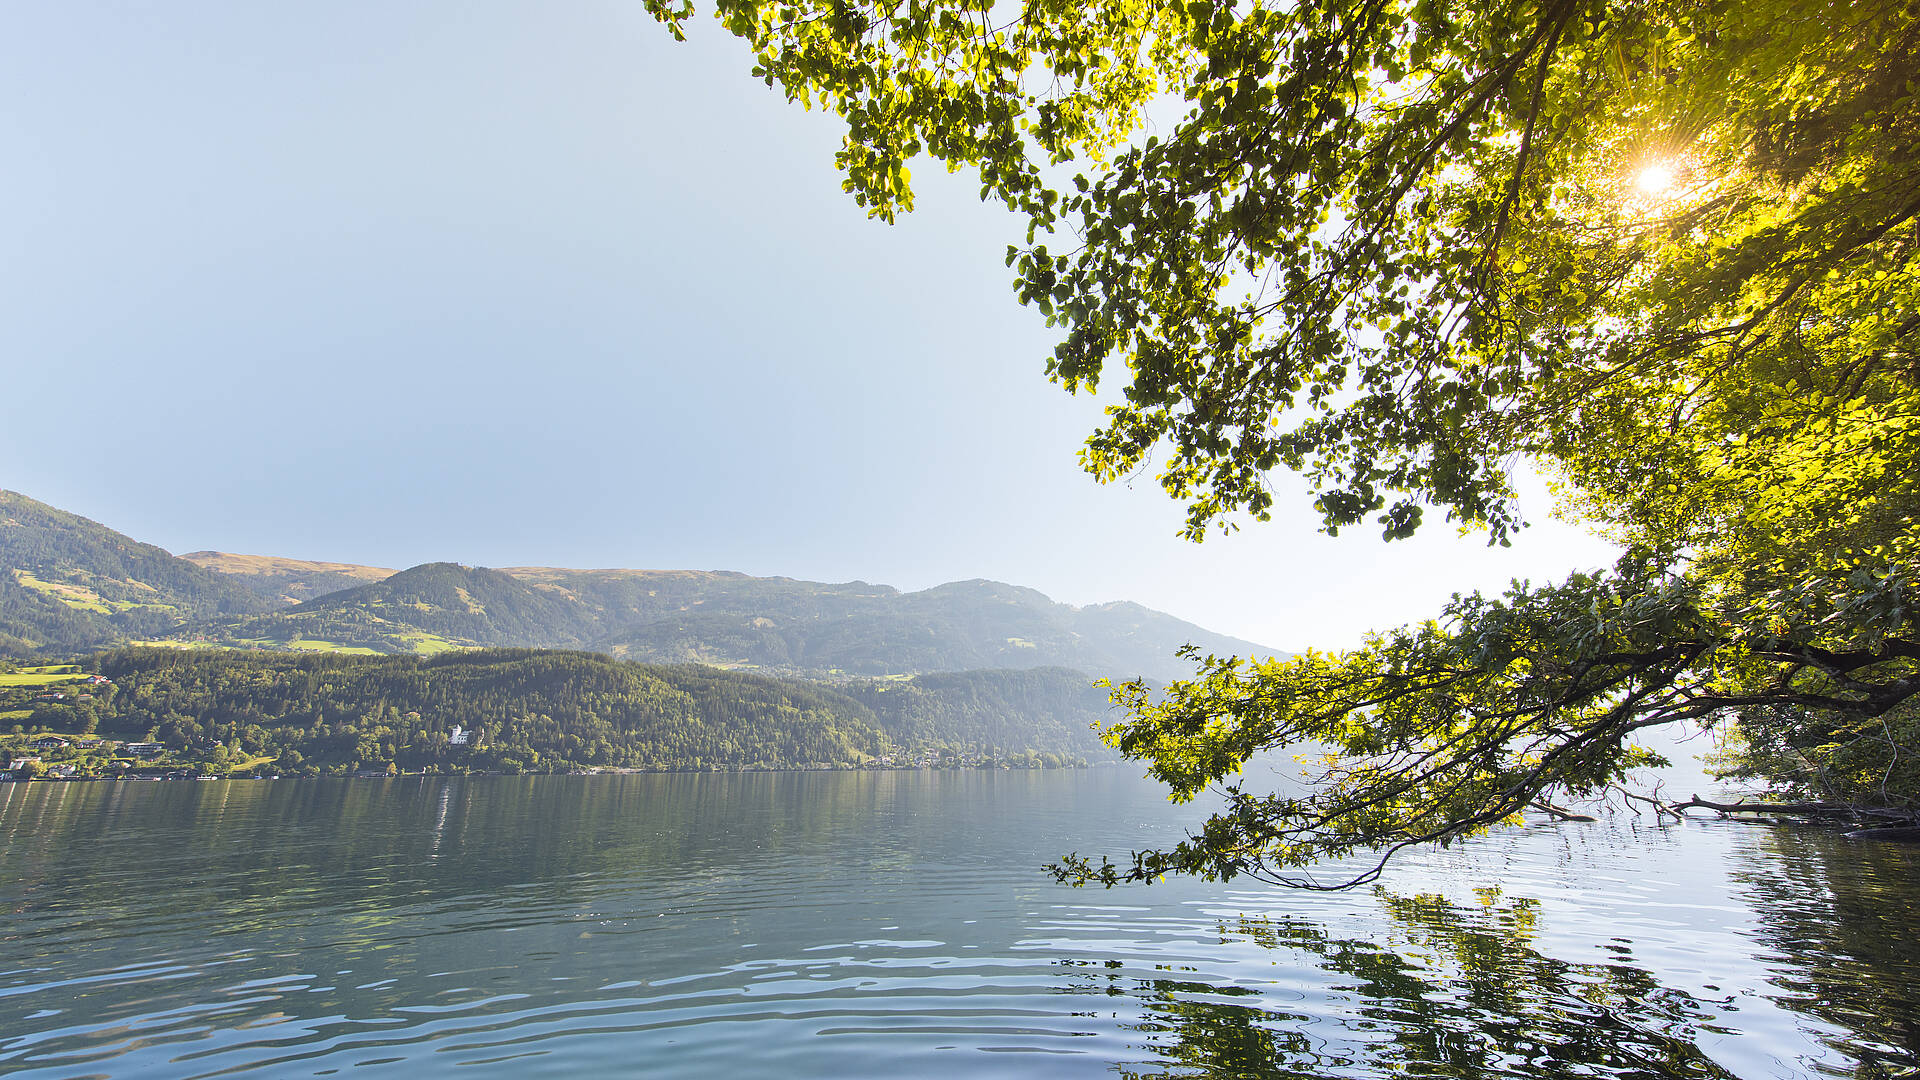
[[291, 580], [68, 581], [58, 564]]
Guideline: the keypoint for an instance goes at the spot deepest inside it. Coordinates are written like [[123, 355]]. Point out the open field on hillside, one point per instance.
[[321, 645], [41, 676], [229, 563], [86, 599], [427, 644], [78, 596]]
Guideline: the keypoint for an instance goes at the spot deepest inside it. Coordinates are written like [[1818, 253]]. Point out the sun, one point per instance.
[[1655, 179]]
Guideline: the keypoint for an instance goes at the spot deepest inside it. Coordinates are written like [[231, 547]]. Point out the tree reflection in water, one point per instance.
[[1455, 991], [1461, 991], [1839, 917]]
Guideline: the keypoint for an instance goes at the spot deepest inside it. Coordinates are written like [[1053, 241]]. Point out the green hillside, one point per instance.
[[770, 624], [425, 609], [70, 583], [1051, 709], [528, 710], [859, 629]]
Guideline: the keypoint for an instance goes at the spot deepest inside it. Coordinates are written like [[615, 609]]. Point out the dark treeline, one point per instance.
[[524, 710]]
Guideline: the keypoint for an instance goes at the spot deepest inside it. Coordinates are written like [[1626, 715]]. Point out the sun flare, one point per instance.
[[1656, 179]]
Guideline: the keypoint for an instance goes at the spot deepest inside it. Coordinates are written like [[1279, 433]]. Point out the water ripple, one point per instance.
[[877, 926]]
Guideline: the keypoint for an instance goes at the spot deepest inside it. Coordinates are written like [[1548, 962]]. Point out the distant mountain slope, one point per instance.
[[1047, 709], [288, 581], [733, 620], [70, 584], [428, 608], [67, 582], [860, 629]]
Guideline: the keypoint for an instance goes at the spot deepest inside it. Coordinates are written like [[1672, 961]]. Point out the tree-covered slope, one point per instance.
[[554, 710], [72, 584], [67, 583], [427, 608], [1052, 709], [862, 629], [777, 625]]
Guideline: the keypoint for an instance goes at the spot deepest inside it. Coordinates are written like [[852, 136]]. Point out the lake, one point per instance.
[[898, 923]]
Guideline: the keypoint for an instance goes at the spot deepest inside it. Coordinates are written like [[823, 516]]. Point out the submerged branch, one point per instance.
[[1804, 808]]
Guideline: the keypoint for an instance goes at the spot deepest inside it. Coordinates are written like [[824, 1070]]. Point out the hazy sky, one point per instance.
[[530, 283]]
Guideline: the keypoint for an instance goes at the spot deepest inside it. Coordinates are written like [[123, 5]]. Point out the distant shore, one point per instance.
[[179, 776]]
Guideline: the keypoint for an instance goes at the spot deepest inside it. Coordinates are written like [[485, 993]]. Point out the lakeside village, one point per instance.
[[34, 749], [31, 750]]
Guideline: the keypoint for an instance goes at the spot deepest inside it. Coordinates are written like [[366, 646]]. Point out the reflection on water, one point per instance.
[[1452, 989], [1840, 933], [884, 923]]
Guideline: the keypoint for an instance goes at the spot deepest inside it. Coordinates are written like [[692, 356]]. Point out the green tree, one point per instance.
[[1401, 248]]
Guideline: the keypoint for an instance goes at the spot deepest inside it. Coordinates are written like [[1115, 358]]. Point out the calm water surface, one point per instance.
[[886, 924]]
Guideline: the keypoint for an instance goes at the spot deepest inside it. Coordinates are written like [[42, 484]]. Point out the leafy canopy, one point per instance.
[[1664, 249]]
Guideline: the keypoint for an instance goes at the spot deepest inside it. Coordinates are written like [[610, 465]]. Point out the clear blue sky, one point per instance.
[[532, 284]]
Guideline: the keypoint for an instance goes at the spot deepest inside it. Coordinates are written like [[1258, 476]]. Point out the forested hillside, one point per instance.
[[521, 710], [68, 583], [773, 624], [428, 608], [864, 629], [71, 585], [1044, 708]]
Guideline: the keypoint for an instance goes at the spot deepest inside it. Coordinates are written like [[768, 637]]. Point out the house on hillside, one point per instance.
[[146, 749], [459, 736], [16, 764], [50, 742]]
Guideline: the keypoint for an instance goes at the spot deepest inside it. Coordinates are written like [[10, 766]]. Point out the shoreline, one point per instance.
[[6, 779]]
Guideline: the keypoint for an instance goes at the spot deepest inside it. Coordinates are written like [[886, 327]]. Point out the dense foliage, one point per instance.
[[1397, 247], [549, 711]]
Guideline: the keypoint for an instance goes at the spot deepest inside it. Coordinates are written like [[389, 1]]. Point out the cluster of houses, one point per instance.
[[61, 695], [85, 742], [17, 763], [64, 770], [89, 680]]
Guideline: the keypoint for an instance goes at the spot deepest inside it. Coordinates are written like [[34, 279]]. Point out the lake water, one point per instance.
[[888, 924]]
